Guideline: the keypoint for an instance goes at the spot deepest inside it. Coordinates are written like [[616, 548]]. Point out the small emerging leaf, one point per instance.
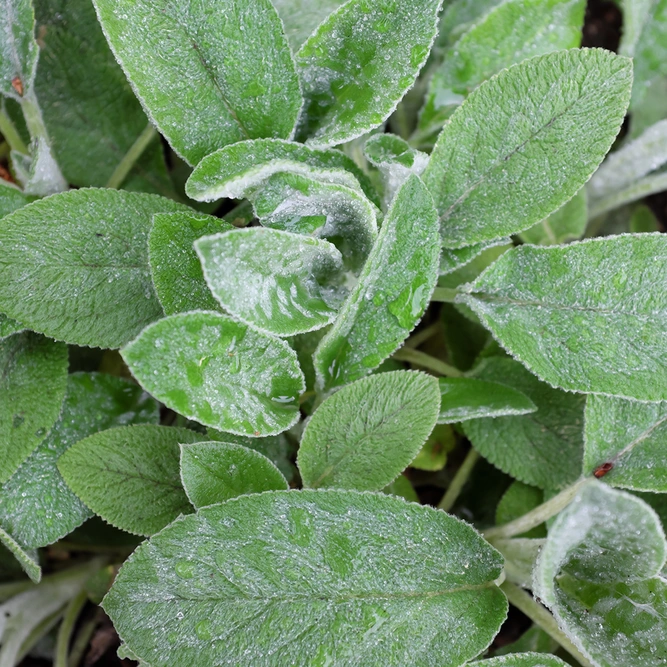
[[469, 398], [213, 472], [207, 74], [281, 283], [301, 577], [393, 291], [130, 475], [222, 373], [574, 314], [368, 432], [18, 49]]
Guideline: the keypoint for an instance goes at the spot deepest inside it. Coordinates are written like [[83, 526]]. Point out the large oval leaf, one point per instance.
[[74, 266], [33, 379], [222, 373], [130, 476], [588, 317], [525, 142], [393, 291], [281, 283], [208, 74], [310, 577], [368, 432], [359, 63]]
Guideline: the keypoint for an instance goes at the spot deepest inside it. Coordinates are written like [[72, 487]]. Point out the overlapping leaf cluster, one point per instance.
[[331, 172]]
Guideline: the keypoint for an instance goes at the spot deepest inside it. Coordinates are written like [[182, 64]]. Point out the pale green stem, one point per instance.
[[444, 295], [76, 604], [543, 619], [83, 637], [422, 336], [427, 361], [10, 133], [459, 481], [130, 158], [33, 116], [39, 631], [537, 516], [642, 188]]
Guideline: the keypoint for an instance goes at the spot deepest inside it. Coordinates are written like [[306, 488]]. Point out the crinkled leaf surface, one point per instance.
[[222, 373], [301, 17], [177, 274], [470, 398], [453, 259], [395, 159], [310, 577], [574, 314], [33, 378], [281, 283], [599, 575], [75, 266], [277, 448], [213, 472], [543, 448], [359, 64], [208, 73], [525, 142], [89, 109], [27, 558], [568, 223], [37, 514], [511, 32], [236, 170], [629, 164], [393, 291], [18, 49], [365, 435], [130, 476], [630, 435], [523, 660], [312, 206]]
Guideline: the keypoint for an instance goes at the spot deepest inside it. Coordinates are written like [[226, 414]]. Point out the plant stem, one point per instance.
[[642, 188], [444, 295], [14, 588], [422, 336], [457, 484], [537, 516], [76, 604], [81, 641], [427, 361], [10, 133], [542, 618], [130, 158]]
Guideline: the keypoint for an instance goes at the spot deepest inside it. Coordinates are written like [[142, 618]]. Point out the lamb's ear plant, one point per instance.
[[353, 312]]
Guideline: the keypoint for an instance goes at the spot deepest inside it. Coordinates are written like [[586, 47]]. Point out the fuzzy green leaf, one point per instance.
[[89, 109], [11, 198], [208, 74], [523, 660], [599, 575], [453, 259], [359, 64], [393, 291], [303, 577], [28, 559], [33, 379], [18, 49], [75, 266], [213, 472], [469, 398], [368, 432], [312, 206], [176, 269], [39, 514], [219, 372], [632, 437], [574, 314], [301, 17], [130, 475], [543, 448], [568, 223], [235, 171], [281, 283], [519, 499], [511, 32], [525, 142], [9, 327]]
